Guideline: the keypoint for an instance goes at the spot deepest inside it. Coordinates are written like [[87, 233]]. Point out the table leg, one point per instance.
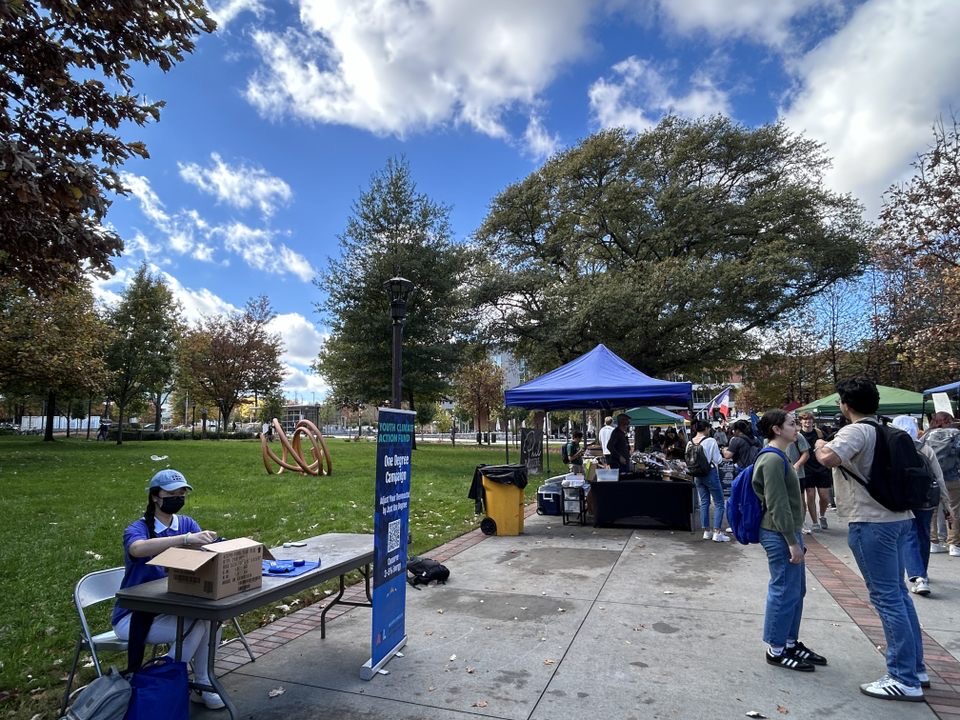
[[323, 613], [215, 683], [178, 655], [339, 601]]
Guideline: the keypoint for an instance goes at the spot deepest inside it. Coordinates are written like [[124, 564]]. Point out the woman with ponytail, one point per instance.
[[162, 527]]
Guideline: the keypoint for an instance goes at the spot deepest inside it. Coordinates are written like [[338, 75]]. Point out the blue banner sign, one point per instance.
[[391, 527]]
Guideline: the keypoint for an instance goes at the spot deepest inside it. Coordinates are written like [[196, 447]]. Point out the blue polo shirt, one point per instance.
[[137, 571]]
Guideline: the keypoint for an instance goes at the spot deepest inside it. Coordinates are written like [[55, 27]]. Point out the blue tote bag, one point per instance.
[[160, 691]]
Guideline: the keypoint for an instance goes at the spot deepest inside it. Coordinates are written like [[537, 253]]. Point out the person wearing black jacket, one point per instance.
[[619, 445], [743, 447]]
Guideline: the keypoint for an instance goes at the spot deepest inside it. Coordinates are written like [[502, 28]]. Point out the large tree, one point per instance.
[[669, 246], [50, 345], [228, 357], [478, 388], [919, 252], [65, 91], [394, 230], [146, 330]]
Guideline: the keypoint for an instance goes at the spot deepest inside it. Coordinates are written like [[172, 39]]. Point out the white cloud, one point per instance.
[[765, 21], [150, 204], [540, 144], [256, 247], [638, 93], [141, 244], [301, 338], [197, 303], [872, 91], [299, 382], [393, 68], [226, 11], [241, 185], [187, 233]]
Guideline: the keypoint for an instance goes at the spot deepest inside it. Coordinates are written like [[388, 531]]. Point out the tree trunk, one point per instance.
[[48, 424], [89, 410], [157, 401], [69, 414], [120, 409]]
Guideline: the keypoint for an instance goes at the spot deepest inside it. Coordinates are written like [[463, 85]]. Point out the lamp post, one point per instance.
[[399, 289], [895, 366]]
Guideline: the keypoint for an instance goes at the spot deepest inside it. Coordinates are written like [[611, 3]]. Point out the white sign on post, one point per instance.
[[941, 403]]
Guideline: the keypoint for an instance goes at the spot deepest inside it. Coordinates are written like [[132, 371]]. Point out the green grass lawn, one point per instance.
[[64, 506]]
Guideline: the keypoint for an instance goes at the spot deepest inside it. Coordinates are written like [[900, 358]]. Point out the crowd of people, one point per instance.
[[802, 470]]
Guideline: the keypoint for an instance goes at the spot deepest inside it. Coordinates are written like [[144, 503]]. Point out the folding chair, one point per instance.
[[92, 589]]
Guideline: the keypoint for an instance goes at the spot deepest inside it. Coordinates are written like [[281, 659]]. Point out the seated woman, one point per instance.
[[161, 528]]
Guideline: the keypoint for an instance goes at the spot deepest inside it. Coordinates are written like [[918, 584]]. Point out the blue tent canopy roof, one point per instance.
[[942, 388], [599, 380]]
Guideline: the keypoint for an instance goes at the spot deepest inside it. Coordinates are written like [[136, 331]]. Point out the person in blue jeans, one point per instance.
[[916, 553], [877, 537], [708, 486], [776, 483]]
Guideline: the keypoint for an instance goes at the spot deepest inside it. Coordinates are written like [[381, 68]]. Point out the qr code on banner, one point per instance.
[[393, 536]]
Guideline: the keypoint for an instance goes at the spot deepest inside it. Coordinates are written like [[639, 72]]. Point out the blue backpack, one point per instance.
[[744, 510]]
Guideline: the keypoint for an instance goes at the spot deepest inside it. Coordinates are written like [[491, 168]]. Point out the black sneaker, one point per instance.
[[802, 652], [789, 661]]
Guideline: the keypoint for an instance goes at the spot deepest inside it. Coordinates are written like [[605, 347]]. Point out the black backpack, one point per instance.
[[423, 571], [696, 459], [933, 492], [899, 479]]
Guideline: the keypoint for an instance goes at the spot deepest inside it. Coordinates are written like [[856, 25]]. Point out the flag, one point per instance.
[[722, 403]]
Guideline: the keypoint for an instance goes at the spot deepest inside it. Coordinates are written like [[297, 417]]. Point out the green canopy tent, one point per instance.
[[642, 416], [893, 401]]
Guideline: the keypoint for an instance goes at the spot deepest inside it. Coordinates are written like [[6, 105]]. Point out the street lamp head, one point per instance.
[[399, 289]]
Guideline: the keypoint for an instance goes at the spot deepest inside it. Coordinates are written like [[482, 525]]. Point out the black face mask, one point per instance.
[[172, 505]]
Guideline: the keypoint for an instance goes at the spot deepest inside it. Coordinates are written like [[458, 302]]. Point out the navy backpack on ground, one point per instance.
[[744, 509]]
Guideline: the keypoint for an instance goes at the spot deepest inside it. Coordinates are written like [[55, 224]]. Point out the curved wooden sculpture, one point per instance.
[[292, 458]]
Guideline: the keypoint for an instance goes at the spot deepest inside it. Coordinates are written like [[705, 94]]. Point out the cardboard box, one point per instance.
[[216, 570]]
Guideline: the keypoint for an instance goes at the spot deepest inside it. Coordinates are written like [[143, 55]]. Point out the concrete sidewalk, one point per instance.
[[570, 622]]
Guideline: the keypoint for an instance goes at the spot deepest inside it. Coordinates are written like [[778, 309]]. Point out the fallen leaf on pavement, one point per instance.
[[782, 710], [480, 703], [276, 692], [471, 670], [548, 661]]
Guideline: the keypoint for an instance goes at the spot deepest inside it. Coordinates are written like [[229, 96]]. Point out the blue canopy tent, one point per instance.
[[598, 380]]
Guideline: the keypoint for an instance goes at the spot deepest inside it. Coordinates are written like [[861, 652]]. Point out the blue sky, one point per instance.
[[274, 126]]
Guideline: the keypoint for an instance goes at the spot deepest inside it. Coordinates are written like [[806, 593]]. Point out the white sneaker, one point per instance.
[[720, 537], [920, 587], [707, 534], [806, 530], [211, 699], [955, 551], [886, 688], [937, 548]]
